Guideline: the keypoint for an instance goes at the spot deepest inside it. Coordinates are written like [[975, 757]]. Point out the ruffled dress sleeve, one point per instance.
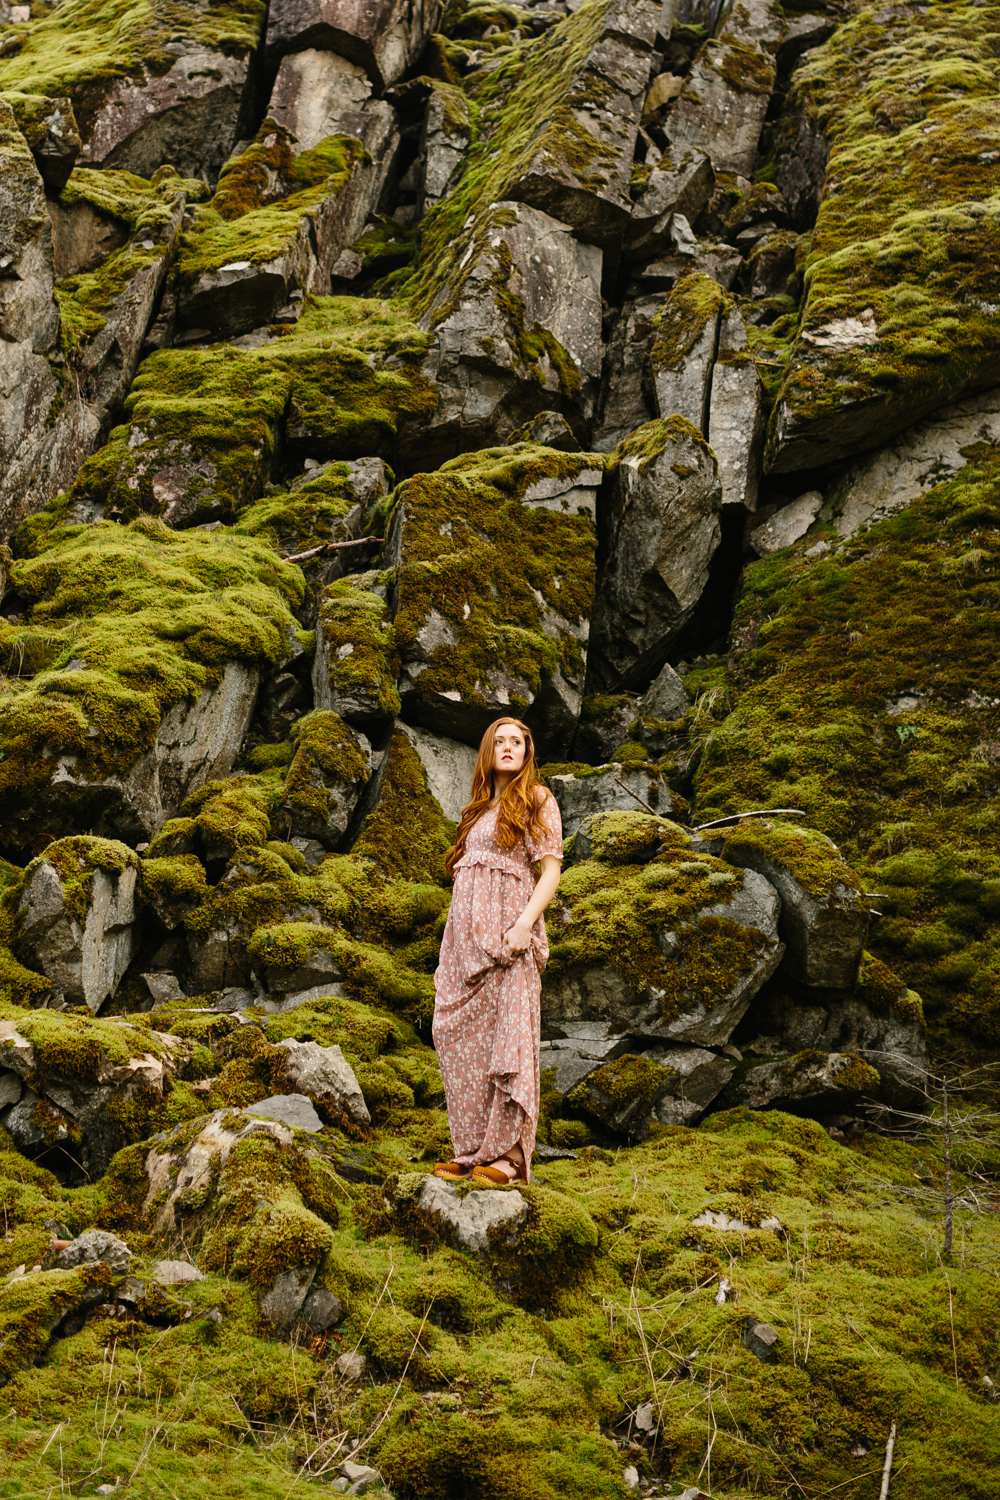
[[551, 841]]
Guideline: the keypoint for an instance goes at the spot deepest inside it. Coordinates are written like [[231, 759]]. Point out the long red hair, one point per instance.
[[519, 811]]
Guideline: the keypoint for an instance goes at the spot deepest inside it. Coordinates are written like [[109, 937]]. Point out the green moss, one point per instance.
[[346, 373], [612, 915], [244, 222], [154, 615], [908, 796], [494, 570], [356, 630], [328, 759], [406, 803], [694, 305], [630, 838], [908, 225], [305, 517], [84, 47], [518, 110], [814, 861]]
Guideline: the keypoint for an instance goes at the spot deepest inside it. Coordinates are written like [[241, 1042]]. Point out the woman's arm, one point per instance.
[[519, 936]]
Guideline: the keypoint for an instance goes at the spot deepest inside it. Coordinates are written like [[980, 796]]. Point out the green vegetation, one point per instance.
[[841, 708], [908, 228], [208, 420]]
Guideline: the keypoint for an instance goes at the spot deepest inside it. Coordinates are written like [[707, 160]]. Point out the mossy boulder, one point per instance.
[[673, 947], [73, 917], [330, 767], [144, 92], [663, 529], [824, 913], [353, 668], [814, 1082], [50, 129], [897, 313], [494, 588], [584, 790], [137, 667]]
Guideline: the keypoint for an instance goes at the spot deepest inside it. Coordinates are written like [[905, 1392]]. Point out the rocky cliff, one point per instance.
[[370, 370]]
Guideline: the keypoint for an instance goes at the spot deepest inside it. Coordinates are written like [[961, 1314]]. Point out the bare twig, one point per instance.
[[887, 1467], [636, 796], [760, 812], [321, 551]]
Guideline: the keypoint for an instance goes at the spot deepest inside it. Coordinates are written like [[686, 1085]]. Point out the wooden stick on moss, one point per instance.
[[887, 1468], [760, 812], [321, 551]]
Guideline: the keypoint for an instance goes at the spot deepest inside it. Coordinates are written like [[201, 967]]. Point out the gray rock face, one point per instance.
[[683, 354], [680, 183], [808, 1081], [736, 413], [385, 37], [92, 1246], [824, 935], [449, 766], [324, 1074], [666, 697], [10, 1089], [187, 116], [444, 140], [720, 117], [618, 786], [786, 526], [605, 102], [488, 381], [626, 391], [663, 532], [84, 960], [282, 1302], [886, 481], [294, 1110], [469, 1223], [696, 1077], [321, 1310], [319, 967], [580, 1052], [312, 92]]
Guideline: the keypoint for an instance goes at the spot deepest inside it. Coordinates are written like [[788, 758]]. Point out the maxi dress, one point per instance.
[[487, 1012]]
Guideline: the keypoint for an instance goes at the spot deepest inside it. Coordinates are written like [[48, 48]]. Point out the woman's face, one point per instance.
[[508, 749]]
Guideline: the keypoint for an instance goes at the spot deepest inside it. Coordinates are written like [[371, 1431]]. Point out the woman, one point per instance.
[[488, 981]]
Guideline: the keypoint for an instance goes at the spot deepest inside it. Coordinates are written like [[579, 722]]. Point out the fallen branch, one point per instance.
[[760, 812], [637, 797], [887, 1467], [321, 551]]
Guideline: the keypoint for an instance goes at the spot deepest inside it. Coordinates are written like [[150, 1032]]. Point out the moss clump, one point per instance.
[[808, 855], [355, 626], [136, 619], [345, 375], [628, 838], [621, 1094], [692, 308], [820, 721], [306, 516], [266, 199]]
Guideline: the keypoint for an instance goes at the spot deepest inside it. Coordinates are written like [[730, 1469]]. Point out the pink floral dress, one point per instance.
[[487, 1022]]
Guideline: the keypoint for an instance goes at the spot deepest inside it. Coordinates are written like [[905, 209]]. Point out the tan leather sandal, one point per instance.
[[490, 1177], [452, 1171]]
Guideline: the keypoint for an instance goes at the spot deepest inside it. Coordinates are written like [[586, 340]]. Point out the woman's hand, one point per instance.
[[518, 937]]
